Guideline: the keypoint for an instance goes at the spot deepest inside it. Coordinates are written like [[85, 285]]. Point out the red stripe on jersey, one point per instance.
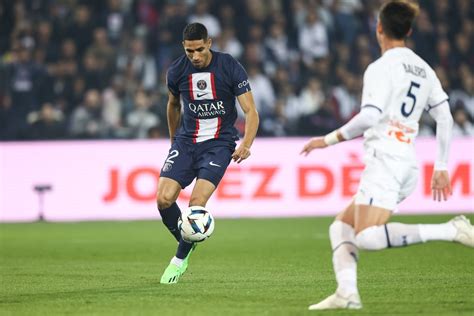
[[190, 81], [219, 122], [196, 131], [213, 86]]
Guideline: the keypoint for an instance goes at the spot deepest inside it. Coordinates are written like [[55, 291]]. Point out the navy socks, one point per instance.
[[183, 249], [170, 217]]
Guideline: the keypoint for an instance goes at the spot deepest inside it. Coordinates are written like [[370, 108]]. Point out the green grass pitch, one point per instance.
[[248, 267]]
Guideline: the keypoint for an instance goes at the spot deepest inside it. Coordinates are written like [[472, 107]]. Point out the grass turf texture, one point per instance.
[[248, 267]]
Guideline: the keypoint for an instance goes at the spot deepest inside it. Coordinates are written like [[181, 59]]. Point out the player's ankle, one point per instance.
[[346, 292], [177, 262]]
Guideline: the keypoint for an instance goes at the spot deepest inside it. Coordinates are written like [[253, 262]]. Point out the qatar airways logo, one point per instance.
[[207, 109]]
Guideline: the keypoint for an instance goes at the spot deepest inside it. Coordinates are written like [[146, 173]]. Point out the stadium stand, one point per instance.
[[95, 69]]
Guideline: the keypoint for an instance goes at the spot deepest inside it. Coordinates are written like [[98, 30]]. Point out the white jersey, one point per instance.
[[401, 85]]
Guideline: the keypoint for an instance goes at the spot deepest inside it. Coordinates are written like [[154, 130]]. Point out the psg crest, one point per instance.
[[201, 84]]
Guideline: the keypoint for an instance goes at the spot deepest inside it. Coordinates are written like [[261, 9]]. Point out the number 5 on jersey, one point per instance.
[[412, 96]]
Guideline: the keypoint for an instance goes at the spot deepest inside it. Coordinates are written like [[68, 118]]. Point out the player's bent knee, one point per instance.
[[371, 238], [164, 201]]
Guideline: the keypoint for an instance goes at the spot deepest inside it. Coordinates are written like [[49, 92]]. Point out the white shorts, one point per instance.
[[386, 180]]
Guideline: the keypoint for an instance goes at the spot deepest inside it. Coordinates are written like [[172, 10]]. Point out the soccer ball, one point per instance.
[[196, 224]]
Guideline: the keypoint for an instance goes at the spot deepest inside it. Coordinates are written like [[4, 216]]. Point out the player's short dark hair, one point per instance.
[[397, 17], [194, 32]]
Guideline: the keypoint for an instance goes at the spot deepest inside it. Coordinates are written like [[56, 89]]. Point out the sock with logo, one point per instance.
[[399, 234], [344, 257], [388, 235], [170, 217]]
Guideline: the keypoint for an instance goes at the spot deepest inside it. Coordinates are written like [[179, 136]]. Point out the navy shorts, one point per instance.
[[207, 160]]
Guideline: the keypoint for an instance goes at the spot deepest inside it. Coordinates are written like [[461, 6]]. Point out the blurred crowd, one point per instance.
[[93, 69]]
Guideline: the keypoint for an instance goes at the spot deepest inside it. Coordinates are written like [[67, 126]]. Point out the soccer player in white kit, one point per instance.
[[398, 87]]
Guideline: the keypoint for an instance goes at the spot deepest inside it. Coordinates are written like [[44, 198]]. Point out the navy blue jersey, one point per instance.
[[208, 96]]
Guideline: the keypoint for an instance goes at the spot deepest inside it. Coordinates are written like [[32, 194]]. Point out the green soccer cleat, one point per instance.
[[186, 260], [171, 274]]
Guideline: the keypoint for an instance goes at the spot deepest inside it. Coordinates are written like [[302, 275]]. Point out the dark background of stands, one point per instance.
[[72, 69]]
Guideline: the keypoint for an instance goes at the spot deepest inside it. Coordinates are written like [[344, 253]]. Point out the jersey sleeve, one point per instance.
[[437, 95], [376, 89], [240, 79], [171, 83]]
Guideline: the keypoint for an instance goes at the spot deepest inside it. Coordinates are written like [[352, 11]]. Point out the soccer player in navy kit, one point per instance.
[[203, 85]]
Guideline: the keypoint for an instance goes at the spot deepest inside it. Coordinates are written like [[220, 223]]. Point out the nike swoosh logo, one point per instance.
[[199, 95], [214, 164]]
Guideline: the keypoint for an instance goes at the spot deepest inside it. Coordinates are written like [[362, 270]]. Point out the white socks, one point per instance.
[[398, 234], [344, 257], [177, 262], [345, 245], [445, 231]]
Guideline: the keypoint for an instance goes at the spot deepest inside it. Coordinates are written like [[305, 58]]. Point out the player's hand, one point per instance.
[[315, 142], [241, 153], [440, 185]]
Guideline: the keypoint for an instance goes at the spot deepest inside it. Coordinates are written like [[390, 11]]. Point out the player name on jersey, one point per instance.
[[415, 70]]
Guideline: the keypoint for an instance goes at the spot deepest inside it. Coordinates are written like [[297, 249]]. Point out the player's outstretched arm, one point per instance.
[[322, 142], [173, 112], [364, 120], [251, 126], [440, 183]]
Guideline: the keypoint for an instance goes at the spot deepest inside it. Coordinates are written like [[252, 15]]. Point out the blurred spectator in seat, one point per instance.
[[23, 88], [319, 123], [363, 56], [462, 125], [45, 43], [93, 73], [112, 114], [443, 77], [262, 90], [76, 96], [103, 51], [424, 36], [346, 97], [312, 96], [299, 10], [154, 132], [115, 20], [426, 125], [228, 43], [147, 13], [227, 16], [138, 65], [46, 124], [141, 119], [464, 49], [202, 15], [292, 106], [81, 28], [276, 45], [87, 121], [313, 38], [7, 129], [64, 72], [465, 94], [445, 58], [274, 125], [162, 38], [254, 54], [346, 18]]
